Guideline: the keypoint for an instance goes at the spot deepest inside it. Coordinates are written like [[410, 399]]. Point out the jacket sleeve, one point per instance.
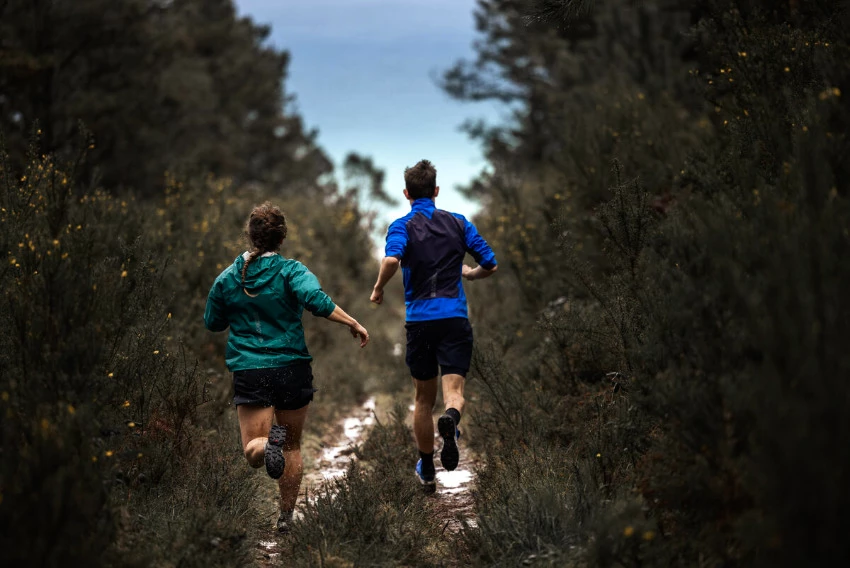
[[309, 293], [396, 240], [215, 315], [478, 247]]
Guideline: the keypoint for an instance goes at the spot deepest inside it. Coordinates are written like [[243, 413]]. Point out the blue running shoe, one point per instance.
[[449, 455], [427, 479]]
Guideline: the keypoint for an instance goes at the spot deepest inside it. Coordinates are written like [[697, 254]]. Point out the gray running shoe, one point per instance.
[[284, 521], [275, 462]]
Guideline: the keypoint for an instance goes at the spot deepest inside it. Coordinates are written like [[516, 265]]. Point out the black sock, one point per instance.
[[427, 462], [454, 414]]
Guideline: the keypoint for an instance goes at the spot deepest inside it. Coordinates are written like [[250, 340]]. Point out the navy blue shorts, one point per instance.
[[285, 388], [446, 343]]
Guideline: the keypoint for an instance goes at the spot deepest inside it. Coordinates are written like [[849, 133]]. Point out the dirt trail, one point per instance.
[[328, 459], [453, 497]]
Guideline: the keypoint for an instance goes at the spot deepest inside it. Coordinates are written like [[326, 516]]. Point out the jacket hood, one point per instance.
[[261, 270]]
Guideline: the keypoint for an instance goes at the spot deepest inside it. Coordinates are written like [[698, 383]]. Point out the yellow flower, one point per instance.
[[94, 458], [131, 424], [126, 403], [110, 375], [123, 274], [156, 352], [628, 531], [71, 409], [108, 453], [648, 535], [598, 455]]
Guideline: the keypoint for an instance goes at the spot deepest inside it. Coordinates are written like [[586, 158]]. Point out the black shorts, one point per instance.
[[444, 342], [285, 388]]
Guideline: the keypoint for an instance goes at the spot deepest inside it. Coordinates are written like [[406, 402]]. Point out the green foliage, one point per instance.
[[101, 402], [116, 420], [670, 367], [184, 86]]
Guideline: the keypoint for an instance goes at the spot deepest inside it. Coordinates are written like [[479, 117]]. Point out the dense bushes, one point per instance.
[[117, 440], [676, 384]]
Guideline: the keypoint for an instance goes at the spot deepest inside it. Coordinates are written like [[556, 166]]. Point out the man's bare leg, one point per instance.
[[423, 430], [453, 392], [447, 424], [423, 409]]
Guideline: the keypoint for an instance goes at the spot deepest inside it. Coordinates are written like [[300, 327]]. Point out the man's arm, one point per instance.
[[389, 266], [478, 272], [481, 252]]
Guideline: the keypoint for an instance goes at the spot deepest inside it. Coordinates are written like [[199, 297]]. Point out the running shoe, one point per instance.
[[427, 479], [284, 521], [275, 462], [449, 455]]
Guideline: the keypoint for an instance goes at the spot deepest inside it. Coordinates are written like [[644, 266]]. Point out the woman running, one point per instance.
[[261, 297]]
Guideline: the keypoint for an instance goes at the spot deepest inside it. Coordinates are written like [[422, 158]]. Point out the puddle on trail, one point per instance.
[[451, 482], [334, 459]]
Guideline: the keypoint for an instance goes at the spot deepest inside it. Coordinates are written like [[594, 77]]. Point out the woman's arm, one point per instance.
[[357, 330]]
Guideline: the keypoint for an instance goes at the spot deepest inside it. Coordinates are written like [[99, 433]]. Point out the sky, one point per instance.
[[363, 73]]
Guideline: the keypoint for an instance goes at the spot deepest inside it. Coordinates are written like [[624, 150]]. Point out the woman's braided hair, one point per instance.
[[265, 230]]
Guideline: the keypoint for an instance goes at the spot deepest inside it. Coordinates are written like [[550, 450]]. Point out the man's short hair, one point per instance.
[[420, 180]]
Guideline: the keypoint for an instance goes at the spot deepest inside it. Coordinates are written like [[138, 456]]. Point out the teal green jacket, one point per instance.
[[265, 316]]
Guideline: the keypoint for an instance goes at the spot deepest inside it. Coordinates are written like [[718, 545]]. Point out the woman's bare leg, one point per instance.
[[254, 425], [290, 481]]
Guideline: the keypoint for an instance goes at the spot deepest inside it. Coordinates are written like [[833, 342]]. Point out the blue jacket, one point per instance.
[[431, 244]]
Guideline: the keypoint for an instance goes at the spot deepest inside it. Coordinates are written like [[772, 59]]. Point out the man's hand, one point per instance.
[[359, 332], [389, 266], [477, 273]]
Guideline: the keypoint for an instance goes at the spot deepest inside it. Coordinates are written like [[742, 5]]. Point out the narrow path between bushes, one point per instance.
[[328, 459]]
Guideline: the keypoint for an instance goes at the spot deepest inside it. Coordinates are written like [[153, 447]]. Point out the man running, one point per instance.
[[430, 245]]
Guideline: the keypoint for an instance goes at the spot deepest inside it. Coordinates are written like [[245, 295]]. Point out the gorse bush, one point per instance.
[[101, 402], [676, 384], [118, 440]]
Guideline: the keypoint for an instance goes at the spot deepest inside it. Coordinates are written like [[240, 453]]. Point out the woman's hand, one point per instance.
[[359, 332]]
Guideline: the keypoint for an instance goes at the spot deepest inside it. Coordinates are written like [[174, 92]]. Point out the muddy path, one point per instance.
[[327, 458]]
